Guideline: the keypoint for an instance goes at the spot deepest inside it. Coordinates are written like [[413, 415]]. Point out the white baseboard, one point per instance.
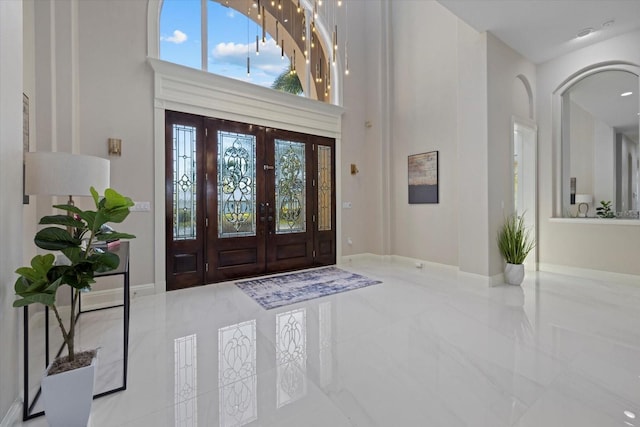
[[608, 276], [497, 280], [109, 297], [347, 259], [491, 281], [13, 417], [415, 263], [419, 263]]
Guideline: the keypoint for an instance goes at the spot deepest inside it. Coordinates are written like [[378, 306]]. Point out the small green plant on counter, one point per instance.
[[604, 210]]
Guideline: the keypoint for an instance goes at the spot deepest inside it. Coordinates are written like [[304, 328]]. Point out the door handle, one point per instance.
[[263, 210]]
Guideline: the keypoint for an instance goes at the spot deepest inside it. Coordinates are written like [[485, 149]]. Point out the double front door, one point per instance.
[[244, 200]]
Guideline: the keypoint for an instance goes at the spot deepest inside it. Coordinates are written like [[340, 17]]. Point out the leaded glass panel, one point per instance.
[[236, 185], [291, 180], [184, 182], [324, 188]]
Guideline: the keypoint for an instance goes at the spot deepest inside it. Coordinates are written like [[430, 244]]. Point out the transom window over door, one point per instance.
[[266, 201], [282, 45]]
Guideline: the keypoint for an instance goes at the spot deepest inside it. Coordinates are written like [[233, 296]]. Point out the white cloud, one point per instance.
[[268, 63], [177, 37]]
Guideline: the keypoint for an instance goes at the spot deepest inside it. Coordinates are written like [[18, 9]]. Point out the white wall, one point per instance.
[[93, 83], [472, 155], [453, 91], [10, 194], [424, 118], [363, 94], [116, 101], [504, 66], [612, 248]]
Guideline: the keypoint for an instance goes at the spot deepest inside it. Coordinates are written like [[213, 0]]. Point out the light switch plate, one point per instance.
[[141, 207]]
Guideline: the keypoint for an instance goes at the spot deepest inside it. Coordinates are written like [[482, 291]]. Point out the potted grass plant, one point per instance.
[[67, 385], [515, 244]]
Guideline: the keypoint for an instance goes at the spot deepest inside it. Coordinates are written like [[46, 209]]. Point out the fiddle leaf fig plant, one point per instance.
[[74, 236]]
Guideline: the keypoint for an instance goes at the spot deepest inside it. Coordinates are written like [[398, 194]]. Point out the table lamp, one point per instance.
[[65, 174]]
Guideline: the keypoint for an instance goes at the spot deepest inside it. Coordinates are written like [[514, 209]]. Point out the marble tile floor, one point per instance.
[[428, 347]]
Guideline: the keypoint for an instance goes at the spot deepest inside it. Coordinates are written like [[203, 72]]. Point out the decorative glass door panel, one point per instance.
[[237, 185], [290, 185], [325, 234], [325, 187], [185, 182]]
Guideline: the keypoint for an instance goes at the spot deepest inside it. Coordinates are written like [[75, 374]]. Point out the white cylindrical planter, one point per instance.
[[67, 396], [514, 274]]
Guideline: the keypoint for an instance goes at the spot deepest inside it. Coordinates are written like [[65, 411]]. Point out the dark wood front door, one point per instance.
[[267, 202]]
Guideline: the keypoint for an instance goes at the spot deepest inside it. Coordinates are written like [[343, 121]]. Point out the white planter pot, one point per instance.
[[67, 396], [514, 274]]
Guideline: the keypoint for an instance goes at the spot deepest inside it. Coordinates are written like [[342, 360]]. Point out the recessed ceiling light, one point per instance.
[[626, 94], [585, 32], [629, 414], [608, 23]]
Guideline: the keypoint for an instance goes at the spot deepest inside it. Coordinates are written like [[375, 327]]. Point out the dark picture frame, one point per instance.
[[423, 175], [25, 144]]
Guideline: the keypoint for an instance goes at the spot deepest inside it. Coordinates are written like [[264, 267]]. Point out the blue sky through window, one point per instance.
[[231, 35]]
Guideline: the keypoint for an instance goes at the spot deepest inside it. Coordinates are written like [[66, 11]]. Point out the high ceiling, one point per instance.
[[544, 29]]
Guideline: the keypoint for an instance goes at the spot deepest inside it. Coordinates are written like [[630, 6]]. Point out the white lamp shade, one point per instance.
[[584, 198], [65, 174]]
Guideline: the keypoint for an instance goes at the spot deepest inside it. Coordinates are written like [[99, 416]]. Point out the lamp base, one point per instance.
[[582, 214]]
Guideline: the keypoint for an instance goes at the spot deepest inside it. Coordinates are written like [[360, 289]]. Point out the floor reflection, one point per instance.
[[186, 381], [291, 356], [325, 341], [237, 374]]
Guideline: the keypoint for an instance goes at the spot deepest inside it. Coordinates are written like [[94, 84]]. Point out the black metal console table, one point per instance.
[[122, 250]]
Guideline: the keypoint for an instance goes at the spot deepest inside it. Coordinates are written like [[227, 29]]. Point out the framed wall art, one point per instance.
[[423, 178]]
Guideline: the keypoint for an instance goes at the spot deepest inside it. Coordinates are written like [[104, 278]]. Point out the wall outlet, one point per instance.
[[346, 205], [141, 207]]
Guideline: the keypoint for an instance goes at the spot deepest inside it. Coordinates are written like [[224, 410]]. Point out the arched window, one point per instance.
[[269, 43]]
